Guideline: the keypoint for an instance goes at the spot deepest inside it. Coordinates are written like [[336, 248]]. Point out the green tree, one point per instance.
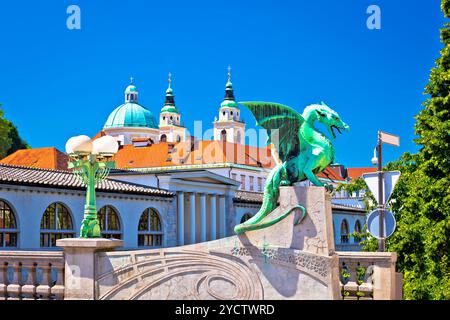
[[421, 199], [10, 140]]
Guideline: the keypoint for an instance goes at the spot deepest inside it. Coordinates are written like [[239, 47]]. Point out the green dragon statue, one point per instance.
[[303, 150]]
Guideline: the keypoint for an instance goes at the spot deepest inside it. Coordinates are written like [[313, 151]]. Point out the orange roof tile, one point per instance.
[[99, 134], [45, 158], [196, 153], [355, 173], [331, 173]]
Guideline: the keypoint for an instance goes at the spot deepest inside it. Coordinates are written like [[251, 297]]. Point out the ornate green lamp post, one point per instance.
[[91, 162]]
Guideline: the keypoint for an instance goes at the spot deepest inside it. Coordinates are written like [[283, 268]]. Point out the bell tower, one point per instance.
[[170, 126], [228, 127]]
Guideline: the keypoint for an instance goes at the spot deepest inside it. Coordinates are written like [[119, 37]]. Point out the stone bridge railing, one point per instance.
[[31, 275], [369, 276], [39, 275]]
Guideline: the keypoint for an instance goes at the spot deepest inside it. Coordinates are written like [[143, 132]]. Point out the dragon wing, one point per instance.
[[272, 116]]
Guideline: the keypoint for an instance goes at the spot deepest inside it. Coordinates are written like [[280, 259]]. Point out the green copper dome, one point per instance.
[[171, 109], [131, 114], [229, 104], [131, 88]]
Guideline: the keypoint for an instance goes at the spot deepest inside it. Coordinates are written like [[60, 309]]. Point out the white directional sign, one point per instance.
[[390, 138], [390, 179]]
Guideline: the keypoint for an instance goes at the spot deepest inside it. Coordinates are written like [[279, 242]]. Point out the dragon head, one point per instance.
[[330, 119]]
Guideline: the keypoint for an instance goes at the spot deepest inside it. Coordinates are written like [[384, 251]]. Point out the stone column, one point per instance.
[[192, 216], [213, 200], [222, 217], [202, 217], [80, 265], [180, 209]]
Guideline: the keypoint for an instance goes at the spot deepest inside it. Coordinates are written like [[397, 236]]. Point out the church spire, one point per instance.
[[229, 93], [169, 103], [170, 99]]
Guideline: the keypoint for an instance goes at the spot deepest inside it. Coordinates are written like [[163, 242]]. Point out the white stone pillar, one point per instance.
[[180, 218], [213, 200], [192, 216], [79, 265], [202, 217], [222, 218]]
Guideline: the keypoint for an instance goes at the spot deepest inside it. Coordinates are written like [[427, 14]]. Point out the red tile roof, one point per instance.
[[45, 158], [166, 154], [186, 153], [331, 173], [355, 173]]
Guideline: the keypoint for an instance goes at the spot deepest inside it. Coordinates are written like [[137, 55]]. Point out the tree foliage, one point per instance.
[[10, 140], [422, 240], [421, 199]]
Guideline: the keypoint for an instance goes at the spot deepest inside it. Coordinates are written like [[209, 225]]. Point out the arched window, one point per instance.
[[8, 226], [238, 137], [150, 229], [223, 135], [357, 230], [163, 138], [178, 138], [56, 223], [344, 231], [109, 223], [245, 217]]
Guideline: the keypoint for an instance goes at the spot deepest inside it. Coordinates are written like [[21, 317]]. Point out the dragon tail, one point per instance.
[[271, 193]]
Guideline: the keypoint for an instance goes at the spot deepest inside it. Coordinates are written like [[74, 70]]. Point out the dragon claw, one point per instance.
[[329, 187]]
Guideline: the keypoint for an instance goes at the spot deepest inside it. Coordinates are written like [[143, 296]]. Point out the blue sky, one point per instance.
[[56, 83]]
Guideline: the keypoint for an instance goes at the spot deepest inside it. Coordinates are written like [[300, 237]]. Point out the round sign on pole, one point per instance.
[[373, 223]]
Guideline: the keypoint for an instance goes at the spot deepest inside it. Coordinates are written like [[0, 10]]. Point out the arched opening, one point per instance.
[[245, 217], [357, 231], [163, 138], [223, 135], [238, 137], [56, 223], [8, 226], [109, 221], [178, 138], [150, 233], [344, 231]]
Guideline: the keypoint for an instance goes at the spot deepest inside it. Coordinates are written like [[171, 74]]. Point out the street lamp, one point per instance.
[[91, 161], [375, 158]]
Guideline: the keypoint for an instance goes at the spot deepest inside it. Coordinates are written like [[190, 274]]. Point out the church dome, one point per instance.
[[131, 115]]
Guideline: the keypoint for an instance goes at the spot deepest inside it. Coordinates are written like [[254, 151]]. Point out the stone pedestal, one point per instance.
[[314, 234], [80, 265], [310, 244]]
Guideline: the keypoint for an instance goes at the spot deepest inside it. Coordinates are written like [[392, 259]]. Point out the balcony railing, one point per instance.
[[369, 275], [31, 275]]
